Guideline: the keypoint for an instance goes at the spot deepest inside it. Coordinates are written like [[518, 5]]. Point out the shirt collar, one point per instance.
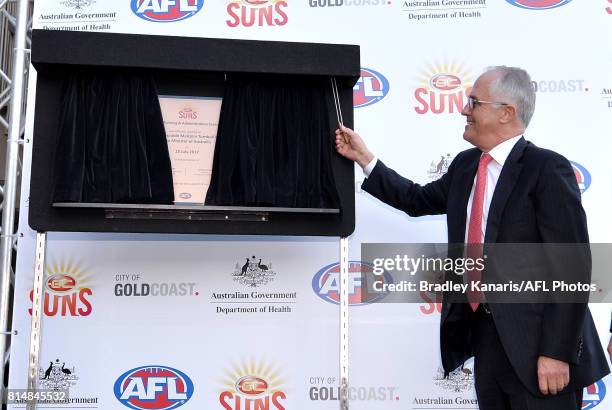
[[501, 151]]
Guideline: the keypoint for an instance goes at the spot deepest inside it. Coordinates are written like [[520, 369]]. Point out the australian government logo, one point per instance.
[[60, 375], [253, 272], [77, 4], [458, 381], [455, 390], [439, 167], [78, 15], [253, 275], [57, 376], [427, 10]]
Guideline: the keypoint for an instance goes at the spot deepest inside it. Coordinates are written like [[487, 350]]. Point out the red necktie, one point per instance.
[[475, 235]]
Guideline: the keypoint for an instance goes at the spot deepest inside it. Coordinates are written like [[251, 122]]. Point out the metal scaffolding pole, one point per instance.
[[18, 66]]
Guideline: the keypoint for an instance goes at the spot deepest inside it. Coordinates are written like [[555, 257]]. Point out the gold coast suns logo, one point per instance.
[[253, 385], [257, 13], [67, 289], [442, 88]]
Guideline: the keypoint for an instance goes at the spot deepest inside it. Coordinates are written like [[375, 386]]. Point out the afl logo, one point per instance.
[[371, 87], [153, 387], [166, 11], [445, 82], [184, 195], [326, 284], [538, 4], [60, 283], [583, 177], [593, 395]]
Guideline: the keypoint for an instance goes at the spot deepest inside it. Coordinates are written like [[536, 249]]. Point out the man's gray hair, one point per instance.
[[514, 85]]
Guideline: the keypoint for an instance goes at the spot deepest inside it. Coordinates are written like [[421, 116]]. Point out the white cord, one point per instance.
[[337, 101]]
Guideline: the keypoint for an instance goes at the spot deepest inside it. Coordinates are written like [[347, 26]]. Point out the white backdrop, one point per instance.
[[418, 57]]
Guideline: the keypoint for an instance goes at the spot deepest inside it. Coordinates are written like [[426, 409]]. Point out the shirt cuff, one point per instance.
[[367, 170]]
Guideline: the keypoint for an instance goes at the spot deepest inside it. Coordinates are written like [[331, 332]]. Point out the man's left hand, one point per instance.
[[553, 375]]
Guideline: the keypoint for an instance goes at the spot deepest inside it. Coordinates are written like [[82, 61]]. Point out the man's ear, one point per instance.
[[508, 114]]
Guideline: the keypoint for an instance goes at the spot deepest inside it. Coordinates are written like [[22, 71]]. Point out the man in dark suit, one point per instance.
[[505, 190]]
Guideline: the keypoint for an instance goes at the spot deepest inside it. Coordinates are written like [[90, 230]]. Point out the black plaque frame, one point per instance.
[[181, 64]]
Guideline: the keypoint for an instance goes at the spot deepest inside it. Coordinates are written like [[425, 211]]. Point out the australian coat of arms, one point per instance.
[[458, 381], [56, 376], [252, 272], [77, 4]]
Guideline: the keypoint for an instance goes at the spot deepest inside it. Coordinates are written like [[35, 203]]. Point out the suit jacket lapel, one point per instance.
[[464, 180], [505, 184]]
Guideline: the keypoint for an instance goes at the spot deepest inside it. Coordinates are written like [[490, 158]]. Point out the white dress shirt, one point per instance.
[[500, 154], [494, 168], [367, 170]]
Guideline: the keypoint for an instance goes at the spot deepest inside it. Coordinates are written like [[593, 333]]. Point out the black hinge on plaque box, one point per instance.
[[181, 65]]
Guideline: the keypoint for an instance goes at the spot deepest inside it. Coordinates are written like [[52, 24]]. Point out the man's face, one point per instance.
[[483, 124]]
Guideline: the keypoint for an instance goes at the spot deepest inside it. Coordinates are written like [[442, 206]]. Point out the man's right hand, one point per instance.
[[350, 145]]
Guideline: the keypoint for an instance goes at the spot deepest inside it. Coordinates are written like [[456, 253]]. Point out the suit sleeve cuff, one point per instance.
[[564, 354]]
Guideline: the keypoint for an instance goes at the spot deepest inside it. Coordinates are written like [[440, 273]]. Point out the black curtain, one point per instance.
[[111, 143], [274, 144]]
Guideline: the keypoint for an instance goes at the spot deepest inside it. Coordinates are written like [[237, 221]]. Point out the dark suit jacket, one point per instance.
[[536, 200]]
